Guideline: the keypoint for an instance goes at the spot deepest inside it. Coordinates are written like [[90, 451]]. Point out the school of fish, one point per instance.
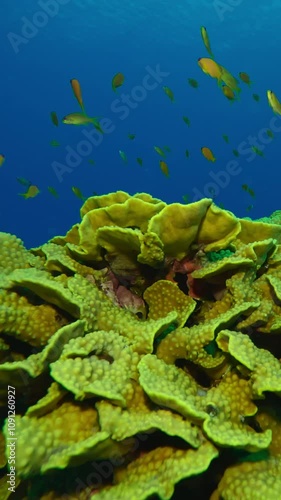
[[228, 84]]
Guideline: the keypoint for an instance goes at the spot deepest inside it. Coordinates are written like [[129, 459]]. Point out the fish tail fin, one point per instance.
[[96, 123], [98, 127]]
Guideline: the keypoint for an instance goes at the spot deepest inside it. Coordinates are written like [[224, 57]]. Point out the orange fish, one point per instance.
[[117, 81], [164, 168], [228, 92], [2, 159], [31, 192], [210, 67], [245, 78], [229, 80], [77, 92], [207, 153]]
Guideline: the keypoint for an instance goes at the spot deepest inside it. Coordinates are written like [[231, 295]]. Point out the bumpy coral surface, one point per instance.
[[143, 352]]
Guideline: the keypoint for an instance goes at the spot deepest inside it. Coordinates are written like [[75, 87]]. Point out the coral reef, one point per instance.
[[144, 352]]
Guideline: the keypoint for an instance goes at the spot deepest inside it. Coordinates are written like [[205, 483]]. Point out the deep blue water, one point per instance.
[[92, 40]]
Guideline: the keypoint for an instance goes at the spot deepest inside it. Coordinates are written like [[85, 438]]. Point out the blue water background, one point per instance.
[[92, 40]]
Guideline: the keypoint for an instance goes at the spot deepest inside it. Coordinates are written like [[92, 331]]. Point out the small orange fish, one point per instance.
[[77, 92], [2, 159], [245, 78], [228, 92], [164, 168], [117, 81], [31, 192], [229, 80], [207, 153]]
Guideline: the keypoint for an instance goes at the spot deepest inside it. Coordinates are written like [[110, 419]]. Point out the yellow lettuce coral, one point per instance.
[[164, 297], [32, 323], [169, 386], [13, 255], [123, 402], [228, 405], [177, 226], [256, 477], [219, 228], [141, 417], [157, 471], [133, 213], [265, 369], [20, 373], [68, 435], [100, 363]]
